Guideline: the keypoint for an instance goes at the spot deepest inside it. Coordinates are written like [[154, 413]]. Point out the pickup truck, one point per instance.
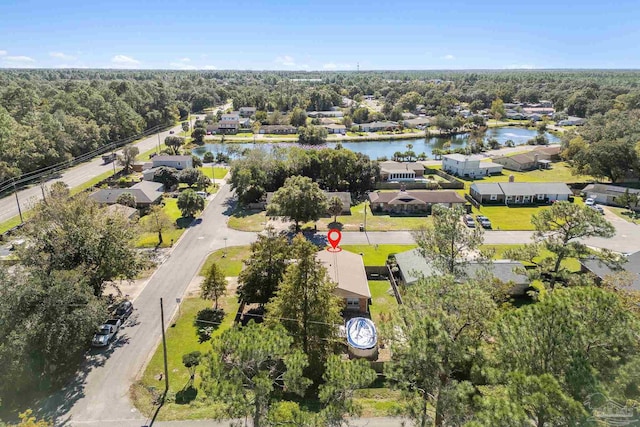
[[117, 323], [108, 158], [104, 336]]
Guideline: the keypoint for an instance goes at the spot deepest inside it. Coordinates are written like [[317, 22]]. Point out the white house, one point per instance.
[[378, 126], [469, 166], [176, 162], [572, 121]]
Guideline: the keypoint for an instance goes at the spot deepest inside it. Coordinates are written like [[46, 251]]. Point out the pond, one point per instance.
[[377, 149]]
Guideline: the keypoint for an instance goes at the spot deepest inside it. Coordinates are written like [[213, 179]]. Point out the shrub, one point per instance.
[[207, 321]]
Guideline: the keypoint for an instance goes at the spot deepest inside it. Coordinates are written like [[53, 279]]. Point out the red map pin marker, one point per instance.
[[334, 236]]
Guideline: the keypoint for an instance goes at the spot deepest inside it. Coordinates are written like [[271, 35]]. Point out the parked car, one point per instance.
[[171, 132], [468, 221], [590, 201], [202, 194], [104, 336], [124, 310], [597, 208], [117, 323], [483, 221]]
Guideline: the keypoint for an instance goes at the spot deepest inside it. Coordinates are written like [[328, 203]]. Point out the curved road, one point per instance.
[[99, 395]]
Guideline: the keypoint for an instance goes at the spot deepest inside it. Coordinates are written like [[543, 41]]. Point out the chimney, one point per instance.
[[512, 178]]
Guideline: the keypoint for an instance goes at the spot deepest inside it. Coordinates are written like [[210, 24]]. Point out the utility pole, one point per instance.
[[17, 201], [158, 142], [164, 348]]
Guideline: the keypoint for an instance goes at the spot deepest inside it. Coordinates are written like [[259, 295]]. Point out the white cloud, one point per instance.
[[124, 60], [185, 60], [286, 60], [333, 66], [520, 67], [20, 59], [61, 55], [3, 52], [449, 57], [182, 66], [209, 67]]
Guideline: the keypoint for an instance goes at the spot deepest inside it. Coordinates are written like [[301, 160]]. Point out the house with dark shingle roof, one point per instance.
[[146, 193], [519, 193], [413, 200], [412, 266], [602, 270]]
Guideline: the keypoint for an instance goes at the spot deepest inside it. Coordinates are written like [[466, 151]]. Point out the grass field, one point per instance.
[[247, 220], [181, 339], [217, 173], [376, 255], [625, 214], [150, 239], [231, 263], [374, 222], [559, 172], [382, 300]]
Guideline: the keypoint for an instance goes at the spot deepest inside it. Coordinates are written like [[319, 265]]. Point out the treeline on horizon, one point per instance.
[[48, 116]]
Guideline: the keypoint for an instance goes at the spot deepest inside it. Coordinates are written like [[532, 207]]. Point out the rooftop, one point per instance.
[[347, 270]]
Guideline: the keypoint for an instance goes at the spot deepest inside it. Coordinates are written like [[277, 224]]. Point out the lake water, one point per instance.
[[376, 149]]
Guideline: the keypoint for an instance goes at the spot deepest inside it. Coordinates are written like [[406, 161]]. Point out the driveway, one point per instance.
[[99, 395]]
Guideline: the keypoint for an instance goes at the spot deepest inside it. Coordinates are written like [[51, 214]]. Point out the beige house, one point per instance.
[[396, 171], [347, 270]]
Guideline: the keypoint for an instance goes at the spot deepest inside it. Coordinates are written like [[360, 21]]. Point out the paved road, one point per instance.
[[99, 394], [100, 391], [73, 177]]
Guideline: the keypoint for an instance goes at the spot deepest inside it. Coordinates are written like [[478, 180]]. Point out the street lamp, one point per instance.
[[158, 142], [225, 248]]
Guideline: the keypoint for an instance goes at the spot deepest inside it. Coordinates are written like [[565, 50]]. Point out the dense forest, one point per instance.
[[51, 116]]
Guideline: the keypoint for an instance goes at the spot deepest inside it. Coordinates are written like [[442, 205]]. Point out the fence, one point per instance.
[[453, 182], [394, 285]]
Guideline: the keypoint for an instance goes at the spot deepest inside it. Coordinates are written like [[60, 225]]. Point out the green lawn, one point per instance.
[[150, 240], [181, 339], [376, 255], [374, 222], [247, 220], [217, 173], [231, 264], [382, 300], [509, 217], [625, 214], [559, 172]]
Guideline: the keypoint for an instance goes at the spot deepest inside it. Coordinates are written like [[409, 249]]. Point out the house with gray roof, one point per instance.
[[519, 193], [176, 162], [412, 266], [416, 122], [601, 270], [413, 201], [378, 126], [609, 194], [146, 193]]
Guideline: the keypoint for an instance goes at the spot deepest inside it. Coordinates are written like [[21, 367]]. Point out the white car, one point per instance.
[[590, 201]]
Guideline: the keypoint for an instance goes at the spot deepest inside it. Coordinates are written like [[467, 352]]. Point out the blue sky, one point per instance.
[[320, 35]]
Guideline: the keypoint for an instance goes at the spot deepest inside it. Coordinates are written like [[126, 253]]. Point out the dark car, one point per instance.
[[171, 132], [124, 310]]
